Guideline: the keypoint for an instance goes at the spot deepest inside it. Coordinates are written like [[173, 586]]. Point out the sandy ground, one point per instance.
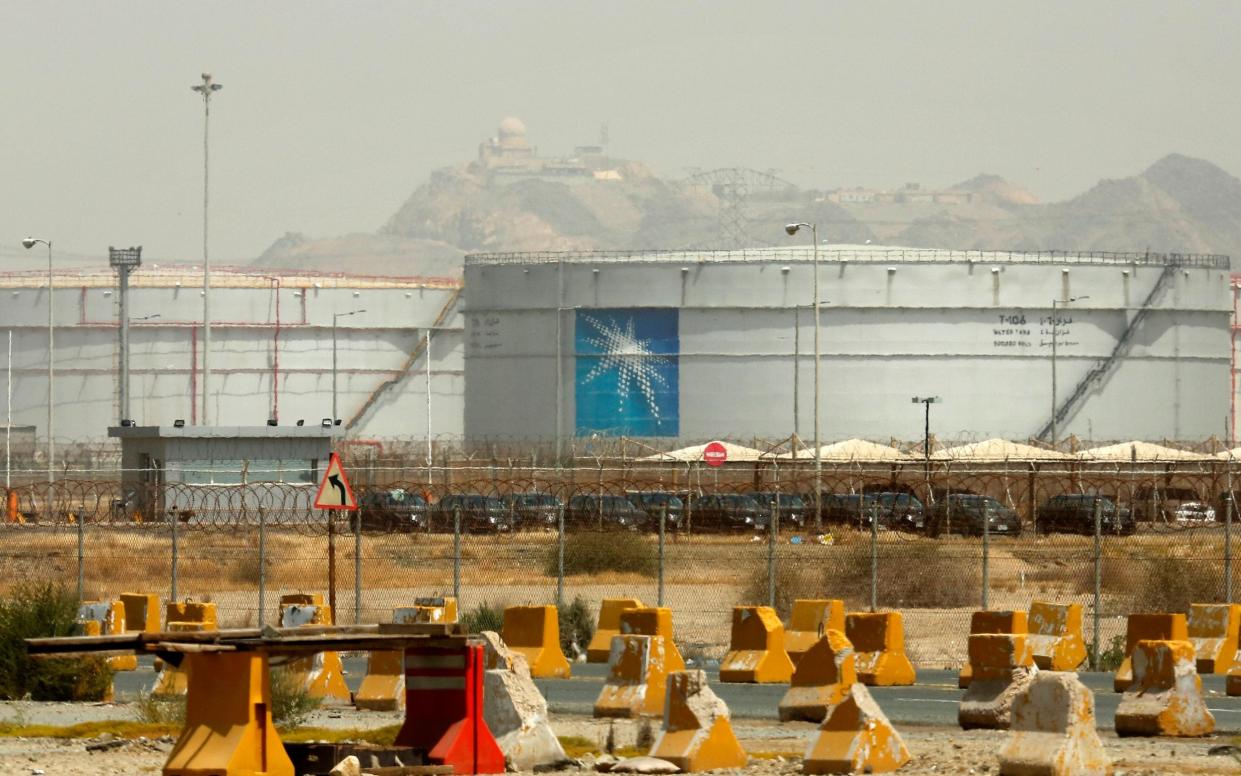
[[775, 748]]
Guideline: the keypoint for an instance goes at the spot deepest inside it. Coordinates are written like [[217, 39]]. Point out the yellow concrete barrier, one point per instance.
[[383, 687], [878, 640], [1165, 697], [441, 609], [696, 734], [106, 618], [637, 675], [756, 651], [821, 680], [321, 674], [141, 612], [1147, 626], [856, 737], [228, 727], [1213, 630], [809, 620], [653, 621], [600, 648], [1003, 668], [990, 622], [1056, 636], [1053, 730], [534, 631], [183, 617]]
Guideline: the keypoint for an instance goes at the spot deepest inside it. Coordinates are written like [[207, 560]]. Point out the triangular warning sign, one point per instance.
[[334, 490]]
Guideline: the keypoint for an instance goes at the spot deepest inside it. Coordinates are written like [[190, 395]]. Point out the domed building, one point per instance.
[[508, 149]]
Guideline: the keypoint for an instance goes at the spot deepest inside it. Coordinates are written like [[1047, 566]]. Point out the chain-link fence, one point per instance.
[[935, 541]]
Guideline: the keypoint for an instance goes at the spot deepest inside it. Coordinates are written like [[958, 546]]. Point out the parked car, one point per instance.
[[794, 510], [652, 502], [390, 509], [1074, 513], [903, 511], [856, 509], [1194, 512], [590, 510], [963, 513], [728, 511], [479, 514], [1152, 504], [535, 509]]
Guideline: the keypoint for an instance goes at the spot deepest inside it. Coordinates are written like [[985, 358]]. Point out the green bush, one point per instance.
[[291, 704], [484, 617], [577, 626], [1110, 657], [39, 611], [155, 709], [599, 552]]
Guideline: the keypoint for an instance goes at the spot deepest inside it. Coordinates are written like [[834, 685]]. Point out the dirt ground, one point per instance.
[[774, 748]]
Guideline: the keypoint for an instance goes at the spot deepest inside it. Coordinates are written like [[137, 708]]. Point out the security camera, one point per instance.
[[29, 242], [792, 228]]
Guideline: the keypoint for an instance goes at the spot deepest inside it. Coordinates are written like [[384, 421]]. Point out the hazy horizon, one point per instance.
[[331, 114]]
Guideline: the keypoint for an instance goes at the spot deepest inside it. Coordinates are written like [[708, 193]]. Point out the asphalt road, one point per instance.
[[932, 701]]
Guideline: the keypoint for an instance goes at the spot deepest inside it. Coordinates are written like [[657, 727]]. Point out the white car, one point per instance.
[[1195, 512]]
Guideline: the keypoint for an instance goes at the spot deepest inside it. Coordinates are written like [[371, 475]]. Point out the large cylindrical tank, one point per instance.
[[696, 345]]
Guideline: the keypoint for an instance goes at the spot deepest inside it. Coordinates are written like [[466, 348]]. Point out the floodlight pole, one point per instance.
[[926, 401], [124, 261], [206, 89], [336, 317]]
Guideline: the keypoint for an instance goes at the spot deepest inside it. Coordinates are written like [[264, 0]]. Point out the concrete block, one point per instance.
[[810, 619], [696, 734], [855, 737], [756, 651], [1213, 630], [637, 677], [600, 648], [1156, 626], [141, 612], [1053, 730], [821, 680], [322, 674], [1056, 636], [878, 640], [534, 631], [1165, 697], [1003, 669], [652, 621], [516, 713]]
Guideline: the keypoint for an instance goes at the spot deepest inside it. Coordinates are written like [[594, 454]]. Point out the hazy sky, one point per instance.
[[333, 112]]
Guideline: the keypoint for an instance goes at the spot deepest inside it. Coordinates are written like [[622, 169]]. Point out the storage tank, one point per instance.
[[694, 345]]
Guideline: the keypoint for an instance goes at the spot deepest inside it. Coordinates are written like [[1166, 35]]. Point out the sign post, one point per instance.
[[715, 454], [335, 494]]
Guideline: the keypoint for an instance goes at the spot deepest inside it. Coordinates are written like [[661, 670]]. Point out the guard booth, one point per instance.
[[189, 473]]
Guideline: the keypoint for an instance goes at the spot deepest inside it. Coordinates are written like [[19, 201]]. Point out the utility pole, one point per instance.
[[206, 89], [124, 261]]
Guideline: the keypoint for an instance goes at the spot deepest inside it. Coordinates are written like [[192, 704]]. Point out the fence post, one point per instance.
[[262, 564], [174, 518], [771, 555], [663, 520], [1228, 506], [357, 568], [456, 554], [560, 556], [874, 557], [986, 561], [81, 525], [1098, 579], [331, 563]]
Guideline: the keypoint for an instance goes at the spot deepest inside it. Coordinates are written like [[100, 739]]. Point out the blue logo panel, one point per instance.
[[626, 372]]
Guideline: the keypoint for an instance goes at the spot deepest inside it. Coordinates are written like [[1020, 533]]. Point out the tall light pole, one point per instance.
[[427, 353], [206, 89], [792, 229], [124, 261], [29, 243], [926, 435], [1054, 325], [335, 318]]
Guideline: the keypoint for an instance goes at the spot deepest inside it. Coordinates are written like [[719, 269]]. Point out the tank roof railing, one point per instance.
[[856, 254]]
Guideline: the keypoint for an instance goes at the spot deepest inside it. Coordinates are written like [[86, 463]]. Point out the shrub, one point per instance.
[[484, 617], [38, 611], [1110, 657], [291, 704], [598, 552], [577, 626], [1158, 583], [160, 709]]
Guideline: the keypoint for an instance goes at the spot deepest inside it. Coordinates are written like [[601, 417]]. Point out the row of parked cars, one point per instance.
[[399, 509]]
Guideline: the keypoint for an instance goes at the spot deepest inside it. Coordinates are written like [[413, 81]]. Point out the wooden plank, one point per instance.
[[410, 770], [165, 646], [271, 640], [419, 628]]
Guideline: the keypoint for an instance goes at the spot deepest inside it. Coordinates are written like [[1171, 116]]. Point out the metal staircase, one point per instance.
[[1100, 369]]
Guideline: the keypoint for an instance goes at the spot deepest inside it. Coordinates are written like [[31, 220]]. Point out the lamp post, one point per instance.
[[1054, 326], [792, 229], [926, 434], [29, 243], [335, 318], [207, 88], [124, 261]]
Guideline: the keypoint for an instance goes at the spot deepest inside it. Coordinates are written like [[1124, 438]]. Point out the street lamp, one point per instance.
[[1054, 326], [206, 89], [926, 435], [335, 318], [797, 369], [124, 261], [792, 229]]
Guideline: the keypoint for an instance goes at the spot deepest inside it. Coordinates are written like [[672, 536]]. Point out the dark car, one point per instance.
[[728, 511], [390, 509], [1074, 513], [904, 511], [655, 502], [479, 514], [794, 510], [965, 513], [856, 509], [592, 510], [535, 509], [1160, 504]]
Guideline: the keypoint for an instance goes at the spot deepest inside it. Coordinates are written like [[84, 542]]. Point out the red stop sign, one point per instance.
[[715, 453]]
